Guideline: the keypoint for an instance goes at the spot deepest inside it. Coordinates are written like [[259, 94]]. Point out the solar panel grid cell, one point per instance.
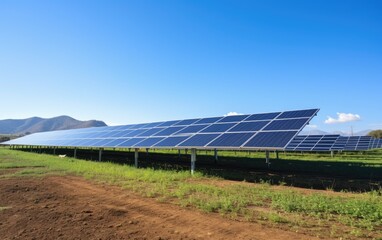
[[168, 131], [171, 141], [148, 142], [313, 143], [131, 142], [230, 140], [266, 139], [199, 140], [249, 126], [298, 114], [262, 116], [191, 129], [150, 132], [290, 124], [218, 128]]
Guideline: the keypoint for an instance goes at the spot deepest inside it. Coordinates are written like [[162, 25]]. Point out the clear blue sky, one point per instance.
[[142, 61]]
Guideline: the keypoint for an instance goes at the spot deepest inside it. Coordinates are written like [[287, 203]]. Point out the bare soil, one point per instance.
[[68, 207]]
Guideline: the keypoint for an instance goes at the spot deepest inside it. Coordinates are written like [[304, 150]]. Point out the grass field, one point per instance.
[[316, 212]]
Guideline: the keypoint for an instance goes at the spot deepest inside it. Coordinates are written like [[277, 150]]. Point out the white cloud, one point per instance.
[[232, 114], [313, 126], [343, 118]]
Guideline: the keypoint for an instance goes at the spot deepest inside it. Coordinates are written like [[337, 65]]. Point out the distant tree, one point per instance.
[[375, 134]]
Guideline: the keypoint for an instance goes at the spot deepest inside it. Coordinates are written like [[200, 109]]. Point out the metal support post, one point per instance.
[[100, 155], [179, 156], [216, 155], [136, 157], [267, 158], [54, 150], [332, 153], [193, 160], [277, 155], [75, 153]]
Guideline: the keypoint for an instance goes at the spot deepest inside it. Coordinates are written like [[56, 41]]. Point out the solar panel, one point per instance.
[[356, 143], [276, 139], [230, 140], [375, 143], [252, 131], [313, 143]]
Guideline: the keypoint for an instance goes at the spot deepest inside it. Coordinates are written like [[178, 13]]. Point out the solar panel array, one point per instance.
[[357, 143], [255, 131], [376, 143], [312, 143], [333, 143]]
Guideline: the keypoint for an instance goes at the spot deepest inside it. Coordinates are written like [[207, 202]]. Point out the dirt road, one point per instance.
[[67, 207]]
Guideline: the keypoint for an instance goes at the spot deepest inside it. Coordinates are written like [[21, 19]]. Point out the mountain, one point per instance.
[[319, 132], [36, 124]]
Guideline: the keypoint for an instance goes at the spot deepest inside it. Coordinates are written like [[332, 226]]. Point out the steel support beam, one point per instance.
[[75, 153], [216, 155], [100, 155], [193, 160], [267, 158], [136, 157]]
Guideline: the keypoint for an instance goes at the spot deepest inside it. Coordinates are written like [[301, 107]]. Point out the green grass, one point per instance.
[[350, 214]]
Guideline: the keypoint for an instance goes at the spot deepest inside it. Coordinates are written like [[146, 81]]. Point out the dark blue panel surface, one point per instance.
[[171, 141], [135, 133], [231, 140], [249, 126], [121, 133], [218, 127], [271, 139], [114, 142], [199, 140], [106, 134], [99, 143], [148, 142], [150, 132], [297, 114], [168, 131], [92, 134], [263, 116], [235, 118], [290, 124], [192, 129], [131, 142], [86, 143]]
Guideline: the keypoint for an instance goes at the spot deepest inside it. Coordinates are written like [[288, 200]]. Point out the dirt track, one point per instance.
[[72, 208]]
